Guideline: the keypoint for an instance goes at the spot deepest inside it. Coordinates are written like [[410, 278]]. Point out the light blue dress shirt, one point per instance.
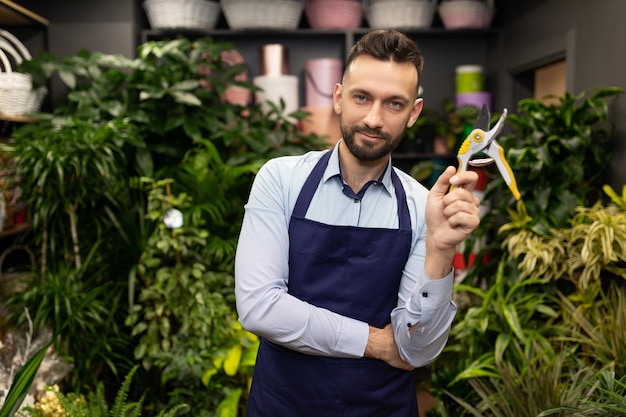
[[261, 264]]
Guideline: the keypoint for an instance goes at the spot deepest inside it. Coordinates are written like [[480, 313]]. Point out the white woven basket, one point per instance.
[[466, 14], [400, 14], [265, 14], [17, 96], [182, 14]]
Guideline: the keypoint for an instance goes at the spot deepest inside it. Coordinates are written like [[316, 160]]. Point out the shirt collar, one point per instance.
[[332, 170]]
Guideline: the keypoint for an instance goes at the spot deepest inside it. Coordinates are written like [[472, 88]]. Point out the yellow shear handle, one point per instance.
[[464, 154], [507, 173]]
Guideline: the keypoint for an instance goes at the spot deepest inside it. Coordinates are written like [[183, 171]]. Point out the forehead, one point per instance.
[[385, 78]]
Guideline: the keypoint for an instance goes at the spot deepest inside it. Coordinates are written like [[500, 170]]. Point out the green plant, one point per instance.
[[611, 400], [83, 315], [619, 201], [449, 123], [511, 312], [593, 244], [560, 154], [598, 327], [543, 379], [21, 383], [162, 117], [173, 93], [527, 321], [95, 403], [562, 251], [184, 317], [69, 170]]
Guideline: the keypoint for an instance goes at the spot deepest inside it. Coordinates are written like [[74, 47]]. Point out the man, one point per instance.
[[344, 263]]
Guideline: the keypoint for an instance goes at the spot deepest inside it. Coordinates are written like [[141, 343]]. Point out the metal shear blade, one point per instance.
[[482, 141], [483, 121]]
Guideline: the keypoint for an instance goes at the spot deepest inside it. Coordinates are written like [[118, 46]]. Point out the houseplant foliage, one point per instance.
[[532, 335], [94, 404], [550, 330], [560, 154], [22, 382], [438, 131], [131, 139], [187, 326]]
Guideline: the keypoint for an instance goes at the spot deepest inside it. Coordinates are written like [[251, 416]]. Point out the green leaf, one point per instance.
[[229, 406], [22, 382], [186, 98]]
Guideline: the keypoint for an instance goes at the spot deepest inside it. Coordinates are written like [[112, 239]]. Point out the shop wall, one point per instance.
[[591, 36], [108, 26]]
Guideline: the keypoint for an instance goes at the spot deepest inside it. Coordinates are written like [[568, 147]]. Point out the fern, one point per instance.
[[120, 407], [95, 405], [173, 411]]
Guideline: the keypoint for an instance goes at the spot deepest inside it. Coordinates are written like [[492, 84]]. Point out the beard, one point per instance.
[[369, 151]]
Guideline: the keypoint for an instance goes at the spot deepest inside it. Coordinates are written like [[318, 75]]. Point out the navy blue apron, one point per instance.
[[352, 271]]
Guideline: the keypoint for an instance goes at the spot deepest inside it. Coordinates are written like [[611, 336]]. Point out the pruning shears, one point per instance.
[[483, 140]]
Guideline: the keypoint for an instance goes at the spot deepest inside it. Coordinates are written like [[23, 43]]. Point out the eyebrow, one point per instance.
[[396, 97]]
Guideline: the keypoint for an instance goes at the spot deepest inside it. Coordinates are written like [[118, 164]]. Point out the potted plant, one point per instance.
[[560, 153], [547, 281], [124, 126], [526, 339]]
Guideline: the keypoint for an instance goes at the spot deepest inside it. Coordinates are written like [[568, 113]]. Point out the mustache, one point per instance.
[[370, 132]]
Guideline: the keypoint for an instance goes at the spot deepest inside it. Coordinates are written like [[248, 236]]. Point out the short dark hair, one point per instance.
[[388, 45]]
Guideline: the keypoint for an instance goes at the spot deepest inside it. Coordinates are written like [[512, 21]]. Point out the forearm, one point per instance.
[[300, 326], [267, 309], [438, 262], [381, 344], [421, 323]]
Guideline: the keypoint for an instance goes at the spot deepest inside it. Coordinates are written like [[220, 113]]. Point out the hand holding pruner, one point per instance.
[[483, 140]]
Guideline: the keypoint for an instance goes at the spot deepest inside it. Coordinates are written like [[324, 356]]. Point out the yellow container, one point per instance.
[[469, 79]]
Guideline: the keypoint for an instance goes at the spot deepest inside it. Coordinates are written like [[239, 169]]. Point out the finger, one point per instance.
[[461, 209], [443, 182], [466, 180]]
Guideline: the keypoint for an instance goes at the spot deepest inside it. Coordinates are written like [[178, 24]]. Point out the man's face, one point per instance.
[[376, 102]]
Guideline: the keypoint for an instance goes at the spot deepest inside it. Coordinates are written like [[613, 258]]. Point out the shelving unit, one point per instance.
[[443, 50], [12, 14], [23, 23]]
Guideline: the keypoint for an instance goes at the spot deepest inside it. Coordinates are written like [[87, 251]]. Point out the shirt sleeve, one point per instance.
[[426, 304], [261, 276]]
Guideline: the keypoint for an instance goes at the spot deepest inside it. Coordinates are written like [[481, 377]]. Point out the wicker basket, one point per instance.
[[182, 14], [401, 14], [466, 14], [334, 14], [266, 14], [15, 280], [17, 96]]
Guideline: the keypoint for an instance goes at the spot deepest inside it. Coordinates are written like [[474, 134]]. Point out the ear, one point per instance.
[[418, 105], [337, 95]]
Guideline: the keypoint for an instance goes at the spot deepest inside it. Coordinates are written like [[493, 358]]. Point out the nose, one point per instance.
[[373, 119]]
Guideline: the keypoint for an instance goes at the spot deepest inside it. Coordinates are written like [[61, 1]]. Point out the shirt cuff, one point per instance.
[[353, 339], [429, 296]]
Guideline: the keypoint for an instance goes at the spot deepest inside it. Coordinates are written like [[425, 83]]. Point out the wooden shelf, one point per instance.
[[14, 230], [12, 14], [17, 118]]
